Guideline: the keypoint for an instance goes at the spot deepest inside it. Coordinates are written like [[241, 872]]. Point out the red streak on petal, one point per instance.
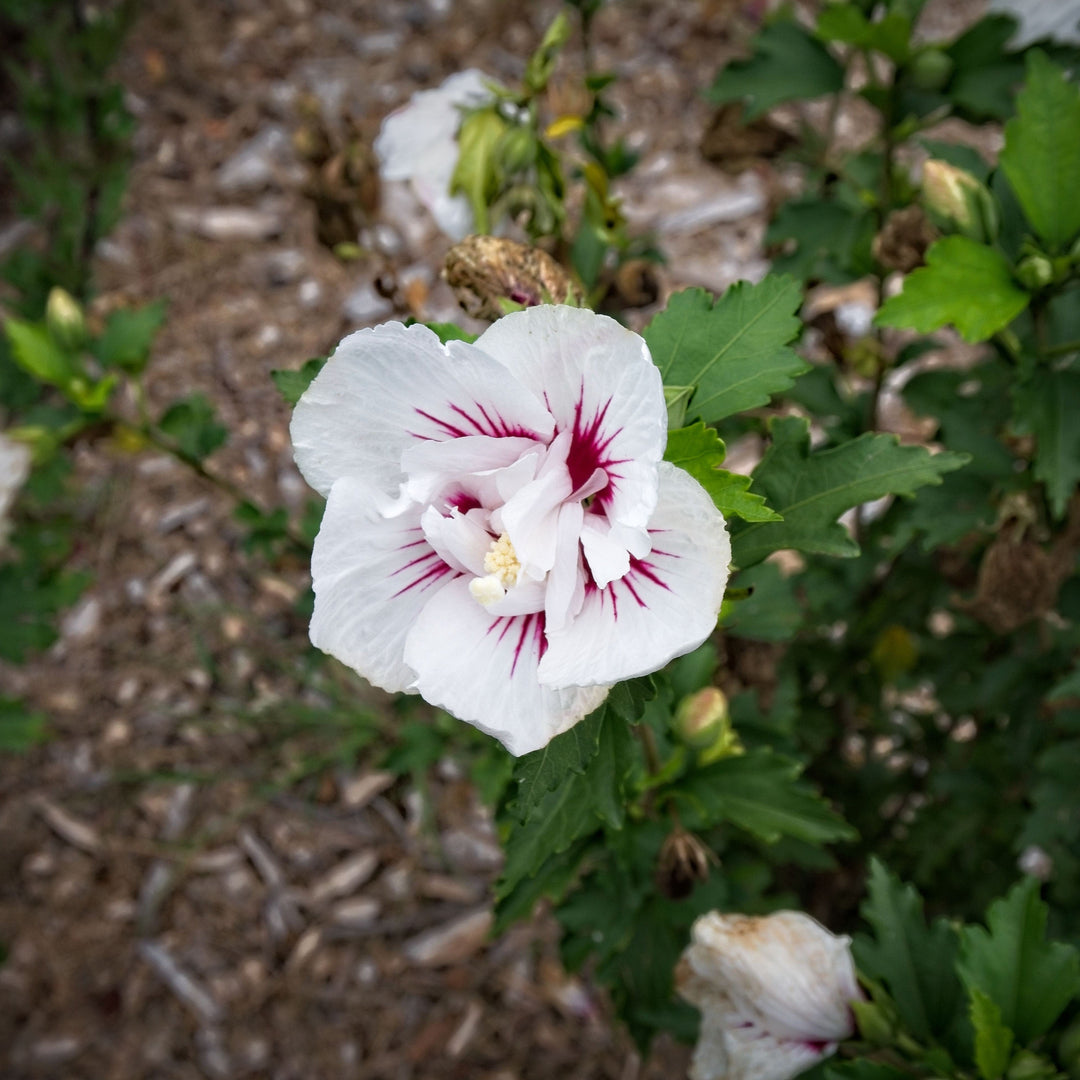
[[647, 571]]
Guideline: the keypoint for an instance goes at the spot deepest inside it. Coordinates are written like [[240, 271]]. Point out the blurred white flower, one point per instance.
[[774, 993], [418, 143], [1055, 19], [14, 469], [501, 535]]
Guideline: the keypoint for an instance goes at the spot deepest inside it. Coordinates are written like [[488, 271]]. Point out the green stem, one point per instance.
[[1061, 350], [157, 438]]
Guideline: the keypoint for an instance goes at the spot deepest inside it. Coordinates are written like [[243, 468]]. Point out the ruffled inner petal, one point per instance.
[[664, 606]]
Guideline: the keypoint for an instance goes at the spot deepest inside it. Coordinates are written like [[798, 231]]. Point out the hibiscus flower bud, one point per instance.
[[702, 722], [65, 320], [959, 200], [931, 68], [774, 993]]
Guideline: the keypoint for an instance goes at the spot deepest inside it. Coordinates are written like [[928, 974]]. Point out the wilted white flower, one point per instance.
[[14, 469], [501, 535], [418, 143], [1056, 19], [774, 993]]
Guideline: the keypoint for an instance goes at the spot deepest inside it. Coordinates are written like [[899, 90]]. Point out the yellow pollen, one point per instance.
[[503, 572], [501, 562]]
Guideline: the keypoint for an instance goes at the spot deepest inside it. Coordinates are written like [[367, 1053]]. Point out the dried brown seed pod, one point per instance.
[[903, 240], [485, 271]]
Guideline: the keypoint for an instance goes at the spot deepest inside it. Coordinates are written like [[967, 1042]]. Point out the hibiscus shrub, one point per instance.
[[534, 530]]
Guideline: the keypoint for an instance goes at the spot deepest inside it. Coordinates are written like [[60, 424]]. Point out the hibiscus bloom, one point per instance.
[[501, 535], [14, 469], [774, 992], [418, 143]]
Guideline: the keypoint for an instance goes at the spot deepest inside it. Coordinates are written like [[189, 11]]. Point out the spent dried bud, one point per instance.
[[487, 271], [903, 240]]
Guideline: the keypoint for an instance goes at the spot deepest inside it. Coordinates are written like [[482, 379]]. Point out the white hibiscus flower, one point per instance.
[[774, 992], [1058, 20], [501, 535], [418, 143], [14, 469]]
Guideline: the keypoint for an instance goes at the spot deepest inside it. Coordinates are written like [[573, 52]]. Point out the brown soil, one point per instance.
[[193, 881]]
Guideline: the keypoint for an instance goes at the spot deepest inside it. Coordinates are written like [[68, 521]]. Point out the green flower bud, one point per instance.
[[700, 717], [1035, 272], [65, 320], [956, 198], [930, 69], [703, 723]]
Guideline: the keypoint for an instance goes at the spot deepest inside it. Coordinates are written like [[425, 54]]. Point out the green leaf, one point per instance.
[[476, 173], [1068, 687], [890, 34], [1041, 157], [1030, 979], [1047, 406], [292, 384], [128, 336], [993, 1040], [787, 64], [986, 73], [771, 612], [628, 699], [700, 451], [813, 490], [611, 765], [862, 1069], [20, 729], [36, 352], [815, 238], [192, 424], [537, 773], [734, 351], [562, 817], [448, 331], [551, 881], [915, 962], [762, 793], [963, 283]]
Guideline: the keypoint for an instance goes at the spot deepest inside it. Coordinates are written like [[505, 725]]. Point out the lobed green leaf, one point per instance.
[[811, 491], [732, 350], [964, 284]]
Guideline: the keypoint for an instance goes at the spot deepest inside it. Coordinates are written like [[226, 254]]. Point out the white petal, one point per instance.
[[607, 559], [431, 117], [784, 968], [566, 581], [483, 670], [459, 539], [432, 466], [372, 577], [419, 143], [599, 382], [665, 606], [754, 1054], [391, 387]]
